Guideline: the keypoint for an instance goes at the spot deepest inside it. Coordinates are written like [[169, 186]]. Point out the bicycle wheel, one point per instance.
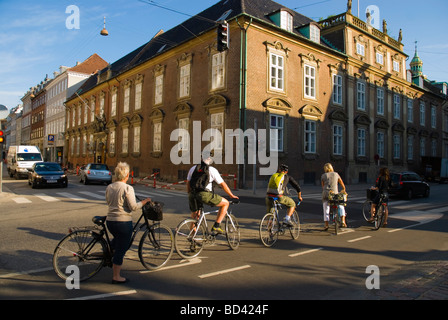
[[80, 249], [156, 246], [366, 208], [295, 229], [335, 220], [269, 227], [189, 238], [379, 217], [232, 231]]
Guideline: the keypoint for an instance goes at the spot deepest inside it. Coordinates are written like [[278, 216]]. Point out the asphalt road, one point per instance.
[[318, 265]]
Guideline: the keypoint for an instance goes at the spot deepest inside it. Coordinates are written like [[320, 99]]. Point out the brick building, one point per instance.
[[332, 91]]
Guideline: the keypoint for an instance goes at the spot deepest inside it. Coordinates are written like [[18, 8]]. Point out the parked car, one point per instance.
[[96, 172], [408, 184], [47, 174]]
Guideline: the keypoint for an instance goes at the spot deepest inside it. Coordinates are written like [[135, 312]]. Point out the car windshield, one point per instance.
[[29, 157], [99, 167], [48, 167]]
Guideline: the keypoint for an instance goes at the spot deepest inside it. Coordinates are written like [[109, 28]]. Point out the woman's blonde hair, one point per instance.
[[121, 170], [328, 167]]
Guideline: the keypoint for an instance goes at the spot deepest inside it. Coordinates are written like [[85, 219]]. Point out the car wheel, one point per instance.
[[85, 181], [426, 194]]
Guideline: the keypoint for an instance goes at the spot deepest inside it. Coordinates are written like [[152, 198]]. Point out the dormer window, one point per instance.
[[286, 21], [314, 33]]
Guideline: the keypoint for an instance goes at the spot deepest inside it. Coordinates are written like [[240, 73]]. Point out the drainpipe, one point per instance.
[[243, 92]]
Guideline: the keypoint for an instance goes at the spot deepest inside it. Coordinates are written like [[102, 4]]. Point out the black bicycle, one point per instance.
[[89, 248], [335, 201]]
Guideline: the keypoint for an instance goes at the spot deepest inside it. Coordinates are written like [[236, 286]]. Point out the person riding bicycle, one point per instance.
[[329, 181], [382, 186], [200, 180], [276, 188]]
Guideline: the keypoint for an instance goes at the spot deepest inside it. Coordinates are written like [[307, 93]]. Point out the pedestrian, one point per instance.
[[120, 198], [330, 181]]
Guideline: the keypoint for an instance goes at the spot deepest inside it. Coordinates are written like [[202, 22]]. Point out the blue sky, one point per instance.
[[35, 41]]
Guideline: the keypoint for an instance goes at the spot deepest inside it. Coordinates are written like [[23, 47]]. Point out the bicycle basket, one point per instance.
[[338, 198], [153, 211]]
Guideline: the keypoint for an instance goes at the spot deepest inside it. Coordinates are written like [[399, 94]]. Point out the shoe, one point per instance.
[[120, 282], [326, 228], [217, 230], [344, 225], [288, 223]]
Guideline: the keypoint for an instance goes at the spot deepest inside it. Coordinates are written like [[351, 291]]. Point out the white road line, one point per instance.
[[304, 252], [106, 295], [15, 274], [21, 200], [44, 197], [359, 239], [207, 275], [181, 264], [71, 196], [93, 195]]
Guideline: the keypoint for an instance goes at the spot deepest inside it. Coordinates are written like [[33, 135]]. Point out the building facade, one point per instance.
[[334, 91]]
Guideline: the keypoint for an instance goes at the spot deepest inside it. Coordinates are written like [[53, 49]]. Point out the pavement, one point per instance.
[[421, 280]]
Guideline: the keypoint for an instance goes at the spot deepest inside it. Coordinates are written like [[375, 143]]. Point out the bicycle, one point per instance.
[[89, 248], [271, 226], [367, 205], [379, 215], [192, 234], [335, 201]]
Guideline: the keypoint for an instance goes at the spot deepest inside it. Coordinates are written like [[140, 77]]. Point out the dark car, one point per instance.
[[408, 184], [47, 174], [96, 172]]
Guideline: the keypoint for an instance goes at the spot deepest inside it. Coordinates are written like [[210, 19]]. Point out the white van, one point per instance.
[[21, 158]]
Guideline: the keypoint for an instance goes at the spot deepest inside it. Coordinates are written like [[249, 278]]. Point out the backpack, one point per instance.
[[275, 185], [200, 178]]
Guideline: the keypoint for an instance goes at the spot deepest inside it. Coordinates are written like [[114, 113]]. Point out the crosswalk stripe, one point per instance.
[[44, 197], [96, 196], [70, 196], [21, 200]]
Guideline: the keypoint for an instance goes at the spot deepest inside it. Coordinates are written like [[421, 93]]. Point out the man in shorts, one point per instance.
[[277, 191], [208, 196]]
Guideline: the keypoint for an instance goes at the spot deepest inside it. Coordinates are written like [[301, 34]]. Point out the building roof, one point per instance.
[[194, 27], [90, 66]]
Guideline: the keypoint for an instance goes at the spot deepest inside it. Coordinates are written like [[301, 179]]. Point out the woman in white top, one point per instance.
[[330, 181]]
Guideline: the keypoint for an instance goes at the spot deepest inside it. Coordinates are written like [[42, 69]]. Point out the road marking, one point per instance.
[[15, 274], [21, 200], [359, 239], [304, 252], [183, 263], [207, 275], [44, 197], [71, 196], [106, 295], [93, 195]]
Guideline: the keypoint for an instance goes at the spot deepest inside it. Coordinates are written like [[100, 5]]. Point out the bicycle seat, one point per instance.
[[99, 220]]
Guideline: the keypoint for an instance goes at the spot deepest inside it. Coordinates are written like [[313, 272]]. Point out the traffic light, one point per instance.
[[223, 35], [2, 138]]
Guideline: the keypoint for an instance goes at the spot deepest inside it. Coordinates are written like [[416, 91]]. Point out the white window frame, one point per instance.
[[276, 72], [379, 58], [217, 122], [361, 142], [380, 143], [314, 33], [309, 81], [361, 95], [125, 140], [137, 135], [410, 147], [380, 101], [422, 113], [157, 137], [433, 117], [397, 146], [184, 136], [310, 136], [126, 99], [218, 70], [138, 96], [360, 49], [286, 21], [276, 132], [184, 81], [397, 106], [337, 89], [410, 110], [338, 139], [158, 90]]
